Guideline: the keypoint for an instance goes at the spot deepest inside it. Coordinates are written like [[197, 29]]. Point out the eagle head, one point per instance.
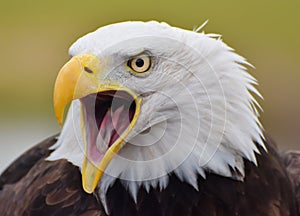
[[148, 100]]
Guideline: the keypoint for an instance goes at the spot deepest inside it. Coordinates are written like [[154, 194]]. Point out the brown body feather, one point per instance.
[[291, 160], [34, 186]]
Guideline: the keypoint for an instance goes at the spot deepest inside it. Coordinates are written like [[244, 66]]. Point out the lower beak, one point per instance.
[[78, 79]]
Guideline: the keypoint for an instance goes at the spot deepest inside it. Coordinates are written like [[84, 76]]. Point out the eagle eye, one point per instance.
[[140, 64]]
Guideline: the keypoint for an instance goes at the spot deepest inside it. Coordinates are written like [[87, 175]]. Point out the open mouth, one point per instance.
[[106, 116]]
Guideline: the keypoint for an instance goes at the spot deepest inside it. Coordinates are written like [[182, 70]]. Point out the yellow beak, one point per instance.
[[77, 79]]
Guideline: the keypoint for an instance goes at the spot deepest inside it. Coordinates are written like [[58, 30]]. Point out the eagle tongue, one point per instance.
[[109, 129]]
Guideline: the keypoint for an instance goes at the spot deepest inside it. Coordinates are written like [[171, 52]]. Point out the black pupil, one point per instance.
[[139, 62]]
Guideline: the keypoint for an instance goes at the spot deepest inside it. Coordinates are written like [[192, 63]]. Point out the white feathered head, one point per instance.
[[148, 100]]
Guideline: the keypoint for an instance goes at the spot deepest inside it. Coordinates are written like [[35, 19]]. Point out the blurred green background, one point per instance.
[[35, 36]]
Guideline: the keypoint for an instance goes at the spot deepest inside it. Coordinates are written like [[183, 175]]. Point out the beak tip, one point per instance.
[[90, 175], [88, 190], [59, 118], [59, 122]]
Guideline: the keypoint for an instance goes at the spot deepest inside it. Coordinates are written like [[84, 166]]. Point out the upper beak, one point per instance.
[[77, 79]]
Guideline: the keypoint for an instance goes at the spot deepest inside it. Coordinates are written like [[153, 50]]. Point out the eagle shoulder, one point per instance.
[[21, 166], [39, 187]]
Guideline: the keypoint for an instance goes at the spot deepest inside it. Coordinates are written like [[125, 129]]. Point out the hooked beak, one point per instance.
[[109, 111]]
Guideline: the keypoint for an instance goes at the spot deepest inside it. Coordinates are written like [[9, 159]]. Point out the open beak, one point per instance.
[[109, 111]]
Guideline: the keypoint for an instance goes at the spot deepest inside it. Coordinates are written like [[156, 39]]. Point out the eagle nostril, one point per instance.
[[87, 69]]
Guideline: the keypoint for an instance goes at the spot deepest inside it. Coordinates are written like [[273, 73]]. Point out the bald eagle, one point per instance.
[[162, 121]]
